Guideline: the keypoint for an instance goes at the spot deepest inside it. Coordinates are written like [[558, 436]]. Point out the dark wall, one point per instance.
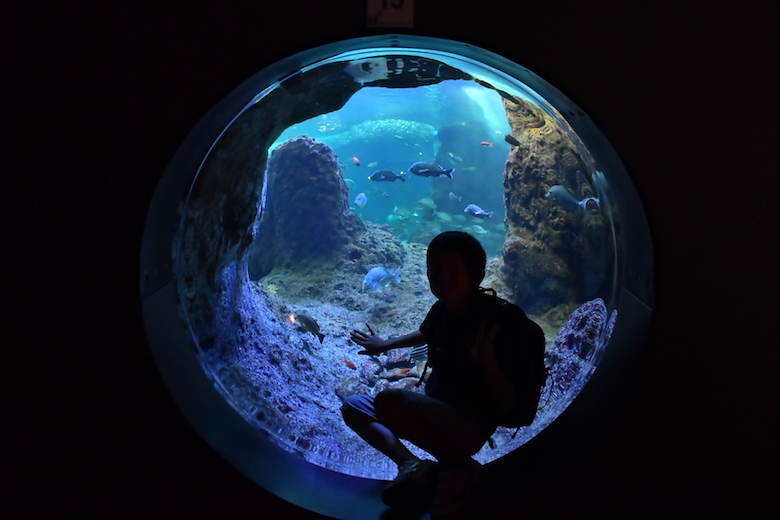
[[95, 100]]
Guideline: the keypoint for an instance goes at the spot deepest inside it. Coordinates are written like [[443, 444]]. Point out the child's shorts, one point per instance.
[[461, 429]]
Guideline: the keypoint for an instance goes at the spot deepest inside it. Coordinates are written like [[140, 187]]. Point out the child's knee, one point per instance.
[[356, 410]]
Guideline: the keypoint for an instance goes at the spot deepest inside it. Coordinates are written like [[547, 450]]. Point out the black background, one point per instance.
[[97, 96]]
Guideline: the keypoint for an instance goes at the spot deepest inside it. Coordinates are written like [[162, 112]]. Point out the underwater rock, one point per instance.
[[578, 347], [534, 277], [351, 386], [398, 357], [306, 215], [550, 256]]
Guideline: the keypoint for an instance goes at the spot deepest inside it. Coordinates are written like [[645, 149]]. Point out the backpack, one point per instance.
[[519, 348], [520, 355]]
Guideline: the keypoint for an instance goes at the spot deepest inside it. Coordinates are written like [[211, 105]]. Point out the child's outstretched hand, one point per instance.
[[483, 349], [372, 344]]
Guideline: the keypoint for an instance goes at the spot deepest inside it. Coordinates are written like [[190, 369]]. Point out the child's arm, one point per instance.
[[374, 345]]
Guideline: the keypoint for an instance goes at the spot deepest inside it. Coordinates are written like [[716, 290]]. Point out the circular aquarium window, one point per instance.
[[300, 208]]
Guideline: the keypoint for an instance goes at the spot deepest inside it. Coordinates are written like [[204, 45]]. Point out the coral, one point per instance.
[[306, 215], [550, 256]]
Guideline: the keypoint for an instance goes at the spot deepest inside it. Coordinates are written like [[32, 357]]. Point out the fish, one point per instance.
[[478, 212], [426, 202], [356, 160], [455, 157], [402, 212], [443, 216], [350, 364], [361, 200], [486, 143], [455, 197], [350, 183], [387, 176], [424, 169], [403, 371], [562, 197], [391, 314], [371, 164], [476, 229], [380, 277], [307, 324], [509, 138]]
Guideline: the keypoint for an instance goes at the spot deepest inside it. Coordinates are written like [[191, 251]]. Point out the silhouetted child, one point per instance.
[[466, 391]]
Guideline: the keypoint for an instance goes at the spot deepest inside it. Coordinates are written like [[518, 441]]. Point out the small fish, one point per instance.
[[486, 143], [379, 277], [455, 197], [478, 212], [402, 212], [454, 156], [426, 202], [385, 194], [350, 183], [443, 216], [509, 138], [424, 169], [476, 229], [371, 164], [356, 160], [403, 371], [361, 200], [307, 324], [562, 197], [391, 314], [398, 137], [387, 176], [350, 364]]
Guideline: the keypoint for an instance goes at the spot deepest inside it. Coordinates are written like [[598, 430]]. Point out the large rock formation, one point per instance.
[[306, 215], [550, 256]]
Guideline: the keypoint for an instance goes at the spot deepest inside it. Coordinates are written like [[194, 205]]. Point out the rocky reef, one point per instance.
[[305, 213], [551, 256]]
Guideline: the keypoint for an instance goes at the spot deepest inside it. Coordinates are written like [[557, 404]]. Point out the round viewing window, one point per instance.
[[300, 208]]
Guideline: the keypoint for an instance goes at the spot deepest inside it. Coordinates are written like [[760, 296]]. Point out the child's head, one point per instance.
[[456, 262]]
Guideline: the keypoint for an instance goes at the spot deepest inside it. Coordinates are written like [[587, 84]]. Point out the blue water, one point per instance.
[[390, 129]]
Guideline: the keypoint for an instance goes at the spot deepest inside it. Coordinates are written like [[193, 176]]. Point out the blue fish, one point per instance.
[[379, 277], [361, 200], [478, 212], [563, 198], [424, 169], [387, 176]]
